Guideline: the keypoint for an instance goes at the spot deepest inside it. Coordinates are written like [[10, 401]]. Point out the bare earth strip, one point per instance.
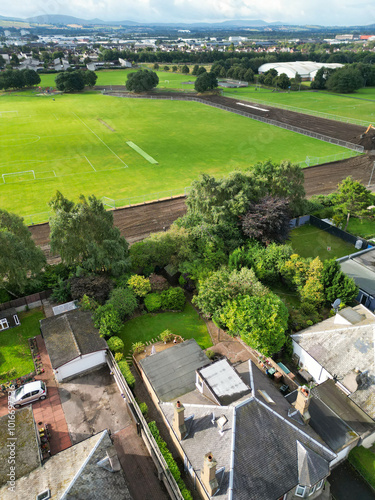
[[139, 221]]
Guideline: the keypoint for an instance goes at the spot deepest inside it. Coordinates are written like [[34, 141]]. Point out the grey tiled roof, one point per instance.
[[74, 473], [311, 466], [172, 372], [266, 460], [70, 335]]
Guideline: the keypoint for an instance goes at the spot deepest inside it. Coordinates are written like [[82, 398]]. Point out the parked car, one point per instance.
[[33, 391]]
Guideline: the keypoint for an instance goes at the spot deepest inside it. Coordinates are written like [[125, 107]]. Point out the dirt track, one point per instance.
[[137, 222]]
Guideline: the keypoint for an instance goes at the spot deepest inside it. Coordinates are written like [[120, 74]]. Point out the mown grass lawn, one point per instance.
[[335, 104], [363, 459], [361, 227], [186, 323], [77, 144], [14, 348], [310, 241], [167, 79]]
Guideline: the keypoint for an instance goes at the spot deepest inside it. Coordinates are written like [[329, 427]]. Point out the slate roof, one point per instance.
[[342, 349], [70, 335], [8, 313], [362, 270], [26, 445], [311, 466], [259, 446], [172, 372], [74, 473]]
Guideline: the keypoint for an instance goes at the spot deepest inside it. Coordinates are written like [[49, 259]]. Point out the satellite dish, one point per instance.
[[336, 305]]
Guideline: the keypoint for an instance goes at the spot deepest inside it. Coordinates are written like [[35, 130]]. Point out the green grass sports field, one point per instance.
[[357, 105], [78, 144], [167, 79]]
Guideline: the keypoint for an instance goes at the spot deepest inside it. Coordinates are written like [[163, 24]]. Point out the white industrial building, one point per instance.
[[307, 69]]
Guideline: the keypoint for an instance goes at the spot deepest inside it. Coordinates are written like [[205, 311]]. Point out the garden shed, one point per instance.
[[9, 318], [73, 343]]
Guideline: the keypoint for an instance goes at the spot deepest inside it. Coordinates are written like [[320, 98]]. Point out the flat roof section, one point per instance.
[[172, 372]]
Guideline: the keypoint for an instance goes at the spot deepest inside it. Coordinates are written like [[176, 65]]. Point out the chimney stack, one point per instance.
[[179, 420], [302, 403], [208, 474]]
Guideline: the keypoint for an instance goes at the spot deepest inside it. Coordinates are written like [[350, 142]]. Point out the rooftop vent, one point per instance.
[[45, 495]]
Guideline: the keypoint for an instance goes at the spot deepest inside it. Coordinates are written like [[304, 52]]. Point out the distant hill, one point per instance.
[[65, 20]]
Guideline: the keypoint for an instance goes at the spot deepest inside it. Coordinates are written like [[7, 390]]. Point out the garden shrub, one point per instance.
[[61, 292], [115, 344], [172, 465], [107, 320], [124, 301], [88, 304], [138, 347], [173, 298], [158, 283], [153, 302], [96, 287], [128, 376], [166, 336], [119, 356], [144, 409], [4, 296], [141, 286], [210, 353]]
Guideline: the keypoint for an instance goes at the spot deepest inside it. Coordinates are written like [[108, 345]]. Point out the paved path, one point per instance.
[[140, 471], [50, 410]]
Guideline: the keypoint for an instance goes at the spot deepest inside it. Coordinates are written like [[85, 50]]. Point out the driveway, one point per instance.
[[92, 403]]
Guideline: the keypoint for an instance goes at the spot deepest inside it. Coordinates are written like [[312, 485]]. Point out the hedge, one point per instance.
[[125, 370], [171, 463]]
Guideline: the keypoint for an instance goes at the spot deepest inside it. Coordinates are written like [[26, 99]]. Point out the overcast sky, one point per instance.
[[322, 12]]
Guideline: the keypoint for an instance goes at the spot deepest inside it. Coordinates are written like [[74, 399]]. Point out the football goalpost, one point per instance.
[[25, 175]]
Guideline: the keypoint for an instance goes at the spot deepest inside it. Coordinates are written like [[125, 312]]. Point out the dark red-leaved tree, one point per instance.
[[267, 220]]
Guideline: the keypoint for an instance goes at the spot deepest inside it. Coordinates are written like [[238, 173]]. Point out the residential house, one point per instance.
[[341, 348], [238, 436], [89, 469], [9, 318]]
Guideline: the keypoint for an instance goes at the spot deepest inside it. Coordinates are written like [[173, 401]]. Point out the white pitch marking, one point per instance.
[[249, 106], [100, 140], [90, 163]]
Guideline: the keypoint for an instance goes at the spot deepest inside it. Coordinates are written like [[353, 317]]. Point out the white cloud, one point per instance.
[[323, 12]]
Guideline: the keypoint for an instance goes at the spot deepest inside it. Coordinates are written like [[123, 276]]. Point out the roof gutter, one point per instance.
[[230, 492]]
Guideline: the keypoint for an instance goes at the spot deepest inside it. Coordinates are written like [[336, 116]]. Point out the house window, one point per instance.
[[16, 320], [320, 484], [3, 324], [300, 491], [199, 383], [312, 490]]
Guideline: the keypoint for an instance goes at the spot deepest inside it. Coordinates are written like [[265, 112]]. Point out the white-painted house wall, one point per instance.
[[310, 364], [81, 364]]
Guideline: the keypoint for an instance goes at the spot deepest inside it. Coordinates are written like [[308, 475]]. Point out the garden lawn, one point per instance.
[[365, 228], [77, 144], [14, 348], [309, 241], [363, 459], [187, 323], [354, 105]]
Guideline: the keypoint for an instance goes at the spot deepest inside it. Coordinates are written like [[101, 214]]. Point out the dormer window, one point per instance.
[[300, 491]]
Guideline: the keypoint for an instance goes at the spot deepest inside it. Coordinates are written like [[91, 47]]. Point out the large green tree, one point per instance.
[[337, 285], [205, 81], [142, 80], [83, 233], [261, 322], [352, 199], [345, 80], [223, 285], [20, 259], [70, 81]]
